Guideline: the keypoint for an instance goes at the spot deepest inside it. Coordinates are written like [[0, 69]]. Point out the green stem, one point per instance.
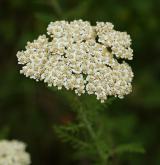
[[57, 7], [103, 156]]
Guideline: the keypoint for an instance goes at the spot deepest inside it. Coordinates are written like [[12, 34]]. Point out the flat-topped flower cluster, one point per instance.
[[81, 57], [13, 153]]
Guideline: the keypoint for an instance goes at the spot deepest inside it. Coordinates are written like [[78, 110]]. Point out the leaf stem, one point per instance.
[[103, 156]]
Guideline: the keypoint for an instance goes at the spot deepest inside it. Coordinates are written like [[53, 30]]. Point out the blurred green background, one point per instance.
[[28, 110]]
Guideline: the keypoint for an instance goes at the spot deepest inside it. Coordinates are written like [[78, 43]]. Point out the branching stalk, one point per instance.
[[103, 156]]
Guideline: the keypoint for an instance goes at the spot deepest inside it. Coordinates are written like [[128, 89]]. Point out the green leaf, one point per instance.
[[132, 148]]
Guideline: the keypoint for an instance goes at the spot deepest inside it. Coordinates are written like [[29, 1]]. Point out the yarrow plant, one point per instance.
[[13, 153], [87, 60], [81, 57]]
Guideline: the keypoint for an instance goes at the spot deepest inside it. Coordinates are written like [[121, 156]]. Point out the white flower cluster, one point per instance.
[[13, 153], [82, 58]]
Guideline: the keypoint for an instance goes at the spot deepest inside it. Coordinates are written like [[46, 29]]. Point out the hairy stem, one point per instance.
[[102, 156]]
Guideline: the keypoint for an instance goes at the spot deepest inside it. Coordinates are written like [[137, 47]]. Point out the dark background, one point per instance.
[[28, 110]]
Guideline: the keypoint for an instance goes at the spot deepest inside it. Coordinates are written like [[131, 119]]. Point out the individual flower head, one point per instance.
[[13, 153], [81, 57]]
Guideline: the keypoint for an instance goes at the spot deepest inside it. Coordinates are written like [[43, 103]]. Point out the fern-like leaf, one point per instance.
[[132, 148]]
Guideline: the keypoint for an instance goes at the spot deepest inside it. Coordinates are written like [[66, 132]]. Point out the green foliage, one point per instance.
[[133, 148], [88, 135]]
